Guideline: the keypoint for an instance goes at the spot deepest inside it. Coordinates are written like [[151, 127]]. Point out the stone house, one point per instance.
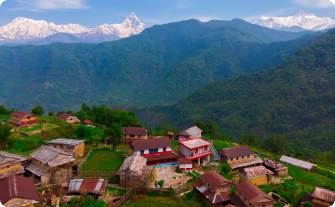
[[50, 165], [323, 196], [251, 196], [17, 191], [75, 147], [214, 188], [239, 157], [134, 172], [189, 133], [11, 164], [69, 118], [20, 118], [130, 133], [278, 169], [257, 175]]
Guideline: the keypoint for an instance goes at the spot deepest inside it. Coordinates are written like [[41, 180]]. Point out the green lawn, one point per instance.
[[103, 160], [5, 117], [221, 144], [175, 146], [19, 152]]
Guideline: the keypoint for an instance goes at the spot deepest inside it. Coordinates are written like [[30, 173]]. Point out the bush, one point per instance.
[[308, 204], [178, 170], [161, 183]]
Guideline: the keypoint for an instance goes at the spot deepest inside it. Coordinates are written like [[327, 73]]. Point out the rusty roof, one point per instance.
[[296, 162], [253, 194], [46, 155], [215, 180], [17, 187], [273, 164], [150, 144], [139, 131], [246, 163], [22, 114], [134, 163], [235, 152], [94, 186], [209, 194], [251, 172], [64, 141], [182, 161], [324, 194]]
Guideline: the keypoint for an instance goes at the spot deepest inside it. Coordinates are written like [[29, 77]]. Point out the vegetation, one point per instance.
[[5, 133], [160, 183], [38, 110], [115, 134], [87, 201]]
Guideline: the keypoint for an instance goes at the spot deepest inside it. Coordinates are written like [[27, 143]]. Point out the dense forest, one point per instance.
[[295, 98], [159, 66]]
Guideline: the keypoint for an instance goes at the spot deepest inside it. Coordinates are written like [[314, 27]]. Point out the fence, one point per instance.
[[82, 161], [122, 200]]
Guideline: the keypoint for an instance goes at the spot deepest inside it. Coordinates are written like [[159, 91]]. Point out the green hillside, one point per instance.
[[159, 66], [296, 98]]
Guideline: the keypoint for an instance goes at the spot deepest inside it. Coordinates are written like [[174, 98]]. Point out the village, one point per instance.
[[186, 168]]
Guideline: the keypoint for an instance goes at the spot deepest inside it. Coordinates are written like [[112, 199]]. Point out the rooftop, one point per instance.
[[22, 114], [273, 164], [135, 163], [95, 186], [72, 142], [209, 194], [46, 155], [4, 155], [246, 163], [150, 144], [256, 171], [193, 131], [235, 152], [296, 162], [64, 116], [216, 180], [253, 194], [182, 161], [324, 194], [139, 131], [195, 143]]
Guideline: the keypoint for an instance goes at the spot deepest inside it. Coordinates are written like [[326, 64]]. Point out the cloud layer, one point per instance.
[[38, 5], [316, 3], [1, 1]]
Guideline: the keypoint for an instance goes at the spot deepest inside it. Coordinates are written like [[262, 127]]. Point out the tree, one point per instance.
[[70, 112], [115, 134], [200, 124], [250, 139], [60, 112], [308, 204], [276, 143], [38, 110], [5, 133], [51, 113]]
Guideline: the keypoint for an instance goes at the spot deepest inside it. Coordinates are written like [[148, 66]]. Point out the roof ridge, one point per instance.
[[57, 150]]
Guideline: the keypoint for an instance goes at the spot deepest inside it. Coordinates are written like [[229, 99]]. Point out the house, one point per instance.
[[185, 164], [257, 175], [11, 164], [88, 122], [157, 151], [299, 163], [323, 196], [192, 132], [17, 191], [69, 118], [135, 133], [136, 170], [251, 196], [195, 149], [75, 147], [278, 169], [214, 188], [20, 118], [50, 165], [94, 187], [239, 157]]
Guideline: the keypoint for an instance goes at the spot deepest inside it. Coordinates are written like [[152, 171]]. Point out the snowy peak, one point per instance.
[[299, 22], [24, 29]]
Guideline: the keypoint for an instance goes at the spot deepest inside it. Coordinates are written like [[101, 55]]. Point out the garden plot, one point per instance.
[[168, 174], [29, 131]]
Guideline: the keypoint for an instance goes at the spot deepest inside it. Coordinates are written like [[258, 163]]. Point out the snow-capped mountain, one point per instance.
[[23, 30], [301, 21]]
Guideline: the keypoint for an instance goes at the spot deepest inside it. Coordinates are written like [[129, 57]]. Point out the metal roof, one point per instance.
[[193, 131], [246, 163], [95, 186], [64, 116], [161, 156], [235, 152], [139, 131], [253, 194], [46, 154], [324, 194], [209, 194], [135, 163], [150, 144], [273, 164], [216, 180], [256, 171], [22, 114], [296, 162], [17, 187], [182, 161], [195, 142], [64, 141]]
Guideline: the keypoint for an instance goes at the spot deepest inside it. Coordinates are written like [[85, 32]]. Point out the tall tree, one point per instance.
[[5, 133], [38, 110], [115, 134], [276, 143], [250, 139]]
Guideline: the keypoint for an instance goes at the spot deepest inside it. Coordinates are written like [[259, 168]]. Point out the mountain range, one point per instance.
[[159, 66], [295, 98], [27, 31], [301, 21]]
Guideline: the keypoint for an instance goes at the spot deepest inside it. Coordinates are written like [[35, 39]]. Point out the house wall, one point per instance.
[[61, 176], [136, 137], [79, 150], [45, 179], [282, 173], [168, 149], [224, 190], [183, 150], [260, 180], [239, 159], [132, 181], [185, 166], [321, 202], [72, 119]]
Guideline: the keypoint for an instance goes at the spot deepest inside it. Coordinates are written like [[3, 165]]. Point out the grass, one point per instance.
[[175, 146], [103, 160], [221, 144], [5, 117], [19, 152], [163, 201]]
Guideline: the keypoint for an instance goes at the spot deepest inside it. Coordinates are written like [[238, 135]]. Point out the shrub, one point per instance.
[[161, 183], [308, 204], [178, 170]]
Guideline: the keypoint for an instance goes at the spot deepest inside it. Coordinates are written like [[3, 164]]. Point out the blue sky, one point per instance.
[[91, 13]]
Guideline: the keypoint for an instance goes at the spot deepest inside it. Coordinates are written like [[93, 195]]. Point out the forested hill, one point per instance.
[[296, 98], [159, 66]]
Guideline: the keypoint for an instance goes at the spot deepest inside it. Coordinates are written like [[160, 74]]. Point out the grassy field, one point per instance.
[[19, 152], [45, 127], [221, 144], [5, 117], [103, 160], [175, 146]]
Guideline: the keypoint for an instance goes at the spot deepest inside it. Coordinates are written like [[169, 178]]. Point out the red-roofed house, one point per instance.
[[195, 149], [185, 164], [88, 122], [69, 118], [20, 118], [252, 196], [214, 188], [135, 133]]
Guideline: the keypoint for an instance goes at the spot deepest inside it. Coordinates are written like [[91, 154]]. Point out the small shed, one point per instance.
[[91, 186], [299, 163], [278, 169], [185, 164], [17, 191], [75, 147]]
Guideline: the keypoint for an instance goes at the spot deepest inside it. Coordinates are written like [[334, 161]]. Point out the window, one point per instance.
[[164, 149], [132, 135], [153, 150], [142, 152]]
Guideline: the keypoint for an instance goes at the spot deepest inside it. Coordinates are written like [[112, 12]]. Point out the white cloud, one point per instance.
[[316, 3], [1, 1], [38, 5], [184, 4]]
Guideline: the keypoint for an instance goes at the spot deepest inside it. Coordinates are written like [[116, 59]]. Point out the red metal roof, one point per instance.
[[253, 194], [64, 116], [215, 180], [88, 122], [22, 114], [209, 194], [161, 157], [17, 187], [94, 186], [237, 151], [150, 144], [138, 131], [183, 161]]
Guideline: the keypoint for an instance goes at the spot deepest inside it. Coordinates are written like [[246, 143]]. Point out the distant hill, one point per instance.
[[159, 66], [295, 98]]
